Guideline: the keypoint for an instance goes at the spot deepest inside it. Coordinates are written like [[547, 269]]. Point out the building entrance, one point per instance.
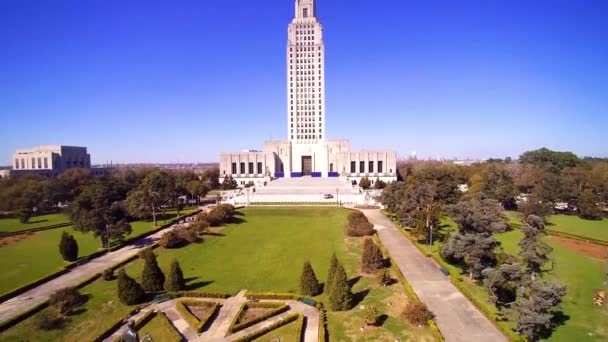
[[306, 165]]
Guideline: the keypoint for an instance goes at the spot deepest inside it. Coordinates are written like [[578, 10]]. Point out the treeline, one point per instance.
[[105, 205], [545, 178]]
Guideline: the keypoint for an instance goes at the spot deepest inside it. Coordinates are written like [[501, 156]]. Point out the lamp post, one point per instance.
[[431, 240], [337, 197]]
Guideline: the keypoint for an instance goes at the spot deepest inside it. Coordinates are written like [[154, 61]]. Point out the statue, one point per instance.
[[130, 335]]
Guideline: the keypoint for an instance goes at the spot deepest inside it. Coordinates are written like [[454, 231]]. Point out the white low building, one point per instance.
[[307, 152]]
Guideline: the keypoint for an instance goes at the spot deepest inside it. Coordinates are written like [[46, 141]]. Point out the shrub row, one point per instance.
[[143, 320], [168, 327], [195, 323], [359, 225], [234, 326], [32, 230], [435, 331], [288, 319], [273, 295], [300, 328], [322, 323], [196, 294], [264, 305]]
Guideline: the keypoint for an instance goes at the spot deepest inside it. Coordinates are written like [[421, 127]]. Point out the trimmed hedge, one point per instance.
[[32, 230], [273, 295], [288, 319], [195, 323], [300, 327], [279, 309], [323, 336], [196, 294], [166, 323], [114, 327], [435, 331]]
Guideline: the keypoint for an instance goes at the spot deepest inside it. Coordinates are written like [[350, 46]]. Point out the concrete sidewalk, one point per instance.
[[456, 317]]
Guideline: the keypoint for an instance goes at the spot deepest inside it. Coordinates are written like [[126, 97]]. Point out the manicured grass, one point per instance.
[[37, 254], [264, 252], [570, 224], [13, 225], [582, 275], [286, 333], [159, 329], [99, 313]]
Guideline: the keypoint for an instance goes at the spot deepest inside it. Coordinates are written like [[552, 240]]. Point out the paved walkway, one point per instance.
[[41, 293], [220, 325], [456, 317]]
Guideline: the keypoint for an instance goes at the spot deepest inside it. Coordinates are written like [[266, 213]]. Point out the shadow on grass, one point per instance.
[[237, 220], [381, 319], [559, 319], [352, 282], [198, 285], [359, 296], [37, 221], [213, 234]]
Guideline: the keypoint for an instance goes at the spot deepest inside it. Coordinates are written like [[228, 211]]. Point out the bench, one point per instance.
[[445, 271]]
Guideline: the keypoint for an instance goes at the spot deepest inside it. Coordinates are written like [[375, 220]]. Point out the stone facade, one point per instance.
[[50, 160], [307, 152]]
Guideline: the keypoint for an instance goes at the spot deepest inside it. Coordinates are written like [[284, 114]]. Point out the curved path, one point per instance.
[[456, 317]]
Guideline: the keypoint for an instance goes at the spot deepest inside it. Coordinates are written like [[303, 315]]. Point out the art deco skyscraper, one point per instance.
[[305, 76]]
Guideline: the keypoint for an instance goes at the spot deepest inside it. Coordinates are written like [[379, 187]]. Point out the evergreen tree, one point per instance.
[[129, 291], [152, 278], [175, 279], [371, 258], [536, 309], [340, 295], [371, 315], [385, 278], [533, 252], [68, 247], [333, 265], [309, 284]]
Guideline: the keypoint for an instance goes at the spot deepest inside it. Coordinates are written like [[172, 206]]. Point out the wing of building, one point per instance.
[[51, 160], [307, 152]]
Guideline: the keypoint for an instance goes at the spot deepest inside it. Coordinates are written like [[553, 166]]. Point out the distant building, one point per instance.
[[51, 160], [307, 152]]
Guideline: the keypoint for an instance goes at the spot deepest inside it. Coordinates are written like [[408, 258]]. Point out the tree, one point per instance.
[[197, 189], [371, 315], [152, 277], [340, 295], [309, 284], [503, 282], [536, 309], [364, 183], [533, 252], [175, 280], [25, 213], [129, 291], [371, 257], [379, 184], [333, 267], [229, 183], [546, 157], [384, 278], [171, 239], [68, 247], [98, 209], [417, 314], [535, 206], [499, 185], [477, 213], [157, 189], [47, 320], [65, 300], [476, 251], [211, 177], [587, 206]]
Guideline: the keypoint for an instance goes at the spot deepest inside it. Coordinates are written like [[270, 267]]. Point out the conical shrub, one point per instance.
[[152, 277], [309, 284], [129, 291], [175, 279], [340, 295], [68, 247], [333, 264]]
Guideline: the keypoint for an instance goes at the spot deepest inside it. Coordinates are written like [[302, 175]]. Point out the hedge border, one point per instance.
[[300, 327], [288, 319], [15, 292], [273, 295], [195, 294], [234, 327], [193, 321], [323, 335], [116, 325], [37, 229], [169, 327]]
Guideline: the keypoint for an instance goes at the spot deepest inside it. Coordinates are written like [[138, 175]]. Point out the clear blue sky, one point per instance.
[[168, 81]]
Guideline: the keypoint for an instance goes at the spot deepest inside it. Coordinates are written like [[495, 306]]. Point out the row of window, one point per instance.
[[308, 54], [250, 169], [303, 48], [370, 167]]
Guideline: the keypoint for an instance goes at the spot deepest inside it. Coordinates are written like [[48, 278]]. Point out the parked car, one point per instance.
[[328, 196]]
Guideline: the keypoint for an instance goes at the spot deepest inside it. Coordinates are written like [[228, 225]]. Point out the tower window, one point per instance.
[[306, 13]]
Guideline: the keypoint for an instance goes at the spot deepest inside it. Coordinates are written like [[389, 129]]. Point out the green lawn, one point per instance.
[[159, 329], [570, 224], [263, 253], [286, 333], [8, 225], [37, 254]]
